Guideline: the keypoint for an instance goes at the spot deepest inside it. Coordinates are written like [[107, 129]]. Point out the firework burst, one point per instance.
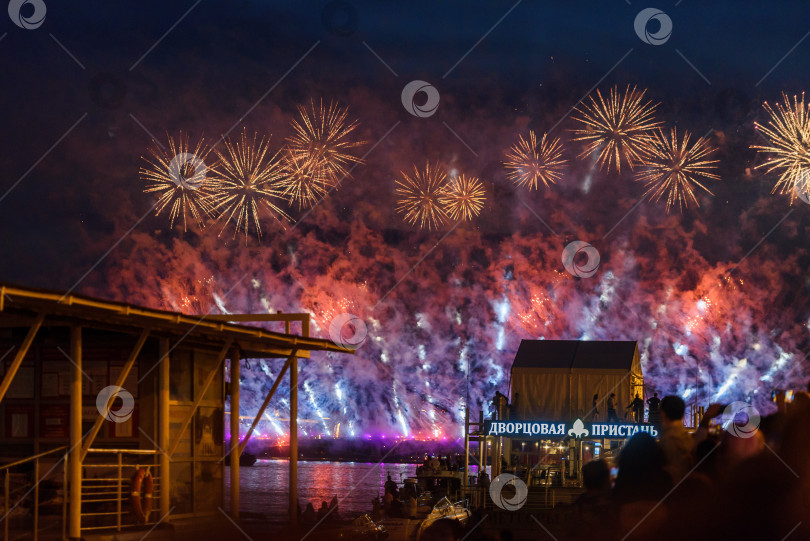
[[303, 180], [419, 197], [619, 128], [530, 162], [463, 198], [322, 136], [674, 168], [247, 181], [178, 175], [788, 132]]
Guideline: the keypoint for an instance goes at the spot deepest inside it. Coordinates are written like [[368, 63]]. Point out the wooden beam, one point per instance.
[[266, 402], [10, 321], [87, 311], [74, 474], [187, 421], [164, 433], [133, 356], [256, 317], [234, 465], [293, 479], [18, 358]]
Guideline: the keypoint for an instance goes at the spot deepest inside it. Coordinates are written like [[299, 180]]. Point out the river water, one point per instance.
[[264, 485]]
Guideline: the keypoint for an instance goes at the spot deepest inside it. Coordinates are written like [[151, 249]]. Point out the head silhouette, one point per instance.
[[673, 407]]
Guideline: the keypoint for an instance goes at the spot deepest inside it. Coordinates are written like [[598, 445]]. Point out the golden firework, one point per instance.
[[179, 176], [419, 196], [247, 181], [788, 132], [303, 180], [619, 128], [530, 162], [322, 135], [463, 198], [673, 168]]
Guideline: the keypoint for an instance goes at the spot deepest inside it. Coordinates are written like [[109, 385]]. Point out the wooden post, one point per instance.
[[36, 500], [65, 491], [75, 463], [6, 503], [163, 427], [294, 432], [482, 444], [120, 490], [465, 480], [234, 458], [495, 454]]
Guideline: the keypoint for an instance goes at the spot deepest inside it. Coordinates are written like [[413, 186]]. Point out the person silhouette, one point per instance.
[[611, 408]]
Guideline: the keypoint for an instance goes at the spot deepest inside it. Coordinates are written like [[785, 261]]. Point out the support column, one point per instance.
[[465, 479], [235, 359], [294, 433], [482, 443], [163, 427], [75, 461]]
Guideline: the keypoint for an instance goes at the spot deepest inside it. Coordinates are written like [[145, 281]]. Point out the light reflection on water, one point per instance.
[[264, 485]]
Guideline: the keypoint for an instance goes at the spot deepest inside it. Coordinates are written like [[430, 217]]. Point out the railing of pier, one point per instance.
[[107, 476], [19, 485]]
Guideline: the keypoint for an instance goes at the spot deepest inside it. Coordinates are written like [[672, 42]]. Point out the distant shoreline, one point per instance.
[[337, 459], [356, 450]]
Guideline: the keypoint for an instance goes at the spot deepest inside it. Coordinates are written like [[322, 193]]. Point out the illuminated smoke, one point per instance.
[[713, 321]]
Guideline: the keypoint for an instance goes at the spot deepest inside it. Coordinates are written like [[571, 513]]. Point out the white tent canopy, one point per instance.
[[556, 379]]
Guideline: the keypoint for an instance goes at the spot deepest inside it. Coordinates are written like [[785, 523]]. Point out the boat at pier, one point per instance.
[[433, 495]]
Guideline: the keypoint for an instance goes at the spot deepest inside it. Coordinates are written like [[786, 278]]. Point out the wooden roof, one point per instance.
[[19, 306], [576, 354]]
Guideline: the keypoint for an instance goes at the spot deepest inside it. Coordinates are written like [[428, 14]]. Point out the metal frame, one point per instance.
[[266, 402], [111, 489], [7, 489]]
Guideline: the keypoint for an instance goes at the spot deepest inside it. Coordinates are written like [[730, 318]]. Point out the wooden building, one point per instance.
[[92, 391]]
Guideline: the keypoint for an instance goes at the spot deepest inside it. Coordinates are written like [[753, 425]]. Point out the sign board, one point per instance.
[[54, 421], [578, 429]]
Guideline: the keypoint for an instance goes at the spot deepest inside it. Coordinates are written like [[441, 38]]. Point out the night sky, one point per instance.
[[723, 286]]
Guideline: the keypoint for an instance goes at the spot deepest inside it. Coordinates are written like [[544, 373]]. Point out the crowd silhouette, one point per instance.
[[742, 478]]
